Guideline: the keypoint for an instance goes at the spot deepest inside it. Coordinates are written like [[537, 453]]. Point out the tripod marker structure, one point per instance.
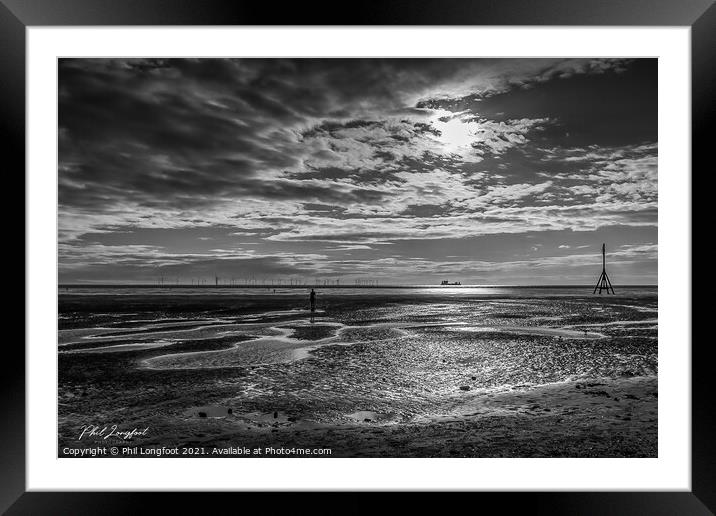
[[603, 282]]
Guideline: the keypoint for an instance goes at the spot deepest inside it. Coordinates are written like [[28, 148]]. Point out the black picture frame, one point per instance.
[[17, 15]]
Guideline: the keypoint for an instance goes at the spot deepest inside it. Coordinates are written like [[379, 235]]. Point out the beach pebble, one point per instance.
[[465, 387], [473, 377]]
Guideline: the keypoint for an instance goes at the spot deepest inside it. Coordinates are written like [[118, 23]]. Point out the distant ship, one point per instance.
[[446, 282]]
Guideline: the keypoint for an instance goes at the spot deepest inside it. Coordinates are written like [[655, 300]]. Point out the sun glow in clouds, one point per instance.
[[456, 133]]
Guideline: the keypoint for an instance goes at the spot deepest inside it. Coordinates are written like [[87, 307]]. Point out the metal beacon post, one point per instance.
[[603, 282]]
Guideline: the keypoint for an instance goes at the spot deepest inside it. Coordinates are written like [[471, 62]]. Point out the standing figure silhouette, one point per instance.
[[313, 300]]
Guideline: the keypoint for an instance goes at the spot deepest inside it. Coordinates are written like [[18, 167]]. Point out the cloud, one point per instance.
[[349, 155]]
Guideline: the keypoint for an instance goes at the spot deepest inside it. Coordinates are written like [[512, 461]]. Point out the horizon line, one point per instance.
[[317, 285]]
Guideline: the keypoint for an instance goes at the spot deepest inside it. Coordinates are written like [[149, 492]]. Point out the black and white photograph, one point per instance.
[[357, 257]]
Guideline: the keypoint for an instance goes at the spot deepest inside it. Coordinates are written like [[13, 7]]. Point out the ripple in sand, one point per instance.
[[263, 350], [533, 330], [121, 347], [369, 416], [208, 411]]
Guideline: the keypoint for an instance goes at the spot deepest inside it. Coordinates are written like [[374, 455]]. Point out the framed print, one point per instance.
[[435, 249]]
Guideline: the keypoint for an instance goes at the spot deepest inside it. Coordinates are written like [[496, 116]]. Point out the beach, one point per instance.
[[432, 372]]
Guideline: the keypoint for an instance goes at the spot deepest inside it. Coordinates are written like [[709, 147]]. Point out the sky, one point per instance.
[[400, 171]]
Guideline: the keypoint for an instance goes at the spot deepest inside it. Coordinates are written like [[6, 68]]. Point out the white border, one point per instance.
[[670, 471]]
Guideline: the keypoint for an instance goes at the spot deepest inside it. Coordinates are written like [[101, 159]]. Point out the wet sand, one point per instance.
[[388, 377]]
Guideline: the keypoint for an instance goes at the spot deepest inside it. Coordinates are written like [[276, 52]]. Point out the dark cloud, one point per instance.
[[617, 107], [427, 210]]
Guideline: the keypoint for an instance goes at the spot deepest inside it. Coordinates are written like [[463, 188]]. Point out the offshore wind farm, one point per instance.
[[603, 283]]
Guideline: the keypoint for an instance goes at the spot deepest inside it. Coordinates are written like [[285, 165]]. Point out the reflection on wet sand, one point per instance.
[[366, 362]]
